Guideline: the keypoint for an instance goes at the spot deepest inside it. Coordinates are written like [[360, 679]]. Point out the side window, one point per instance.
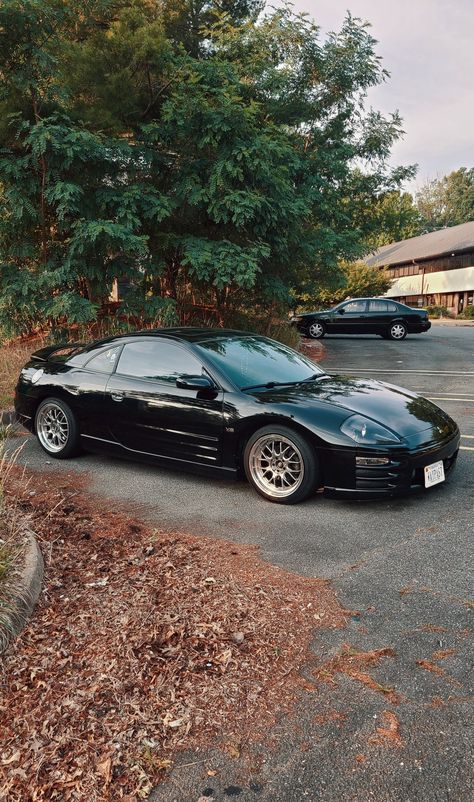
[[392, 307], [105, 361], [355, 306], [158, 360], [380, 306]]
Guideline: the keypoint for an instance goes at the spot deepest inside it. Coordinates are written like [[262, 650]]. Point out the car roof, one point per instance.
[[194, 334], [185, 333]]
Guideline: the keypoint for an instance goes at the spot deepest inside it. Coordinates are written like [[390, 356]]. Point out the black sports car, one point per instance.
[[390, 319], [221, 400]]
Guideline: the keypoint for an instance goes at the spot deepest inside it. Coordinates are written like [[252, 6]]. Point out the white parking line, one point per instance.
[[466, 448], [468, 436], [445, 395], [415, 372], [444, 398]]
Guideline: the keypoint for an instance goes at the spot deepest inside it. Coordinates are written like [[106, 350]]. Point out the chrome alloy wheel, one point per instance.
[[397, 331], [316, 330], [52, 428], [276, 465]]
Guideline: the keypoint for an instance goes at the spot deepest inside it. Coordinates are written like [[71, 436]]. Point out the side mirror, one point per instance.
[[341, 311], [195, 383]]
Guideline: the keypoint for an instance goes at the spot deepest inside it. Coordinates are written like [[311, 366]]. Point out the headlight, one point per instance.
[[37, 375], [367, 432], [296, 319]]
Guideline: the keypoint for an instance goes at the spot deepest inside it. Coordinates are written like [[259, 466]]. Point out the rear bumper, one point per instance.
[[420, 327], [403, 474]]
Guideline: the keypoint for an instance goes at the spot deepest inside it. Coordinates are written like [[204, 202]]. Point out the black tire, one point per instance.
[[316, 330], [397, 330], [273, 477], [56, 429]]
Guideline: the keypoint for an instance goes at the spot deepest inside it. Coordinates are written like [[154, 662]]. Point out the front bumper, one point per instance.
[[403, 474]]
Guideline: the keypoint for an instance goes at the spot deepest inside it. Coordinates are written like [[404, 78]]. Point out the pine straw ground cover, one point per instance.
[[144, 642]]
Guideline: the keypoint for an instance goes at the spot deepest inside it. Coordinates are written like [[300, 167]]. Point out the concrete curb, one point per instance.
[[442, 322], [24, 594]]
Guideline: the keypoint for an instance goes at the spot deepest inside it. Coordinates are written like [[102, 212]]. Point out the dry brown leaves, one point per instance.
[[389, 731], [354, 663], [132, 654]]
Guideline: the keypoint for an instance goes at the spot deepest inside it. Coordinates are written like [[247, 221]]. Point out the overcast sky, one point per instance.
[[427, 46]]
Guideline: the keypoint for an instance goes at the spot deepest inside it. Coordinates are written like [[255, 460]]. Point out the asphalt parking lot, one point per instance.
[[404, 567]]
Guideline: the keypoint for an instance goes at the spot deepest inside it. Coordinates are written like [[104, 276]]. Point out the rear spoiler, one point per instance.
[[43, 354]]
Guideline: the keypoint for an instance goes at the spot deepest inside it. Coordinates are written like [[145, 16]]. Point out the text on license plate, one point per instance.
[[434, 473]]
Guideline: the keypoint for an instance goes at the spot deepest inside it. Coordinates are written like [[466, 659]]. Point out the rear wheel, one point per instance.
[[316, 330], [56, 428], [397, 331], [281, 465]]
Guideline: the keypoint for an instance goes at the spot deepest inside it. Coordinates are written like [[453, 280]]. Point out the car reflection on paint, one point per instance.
[[229, 402]]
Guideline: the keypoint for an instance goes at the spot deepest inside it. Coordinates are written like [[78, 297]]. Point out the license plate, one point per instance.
[[434, 473]]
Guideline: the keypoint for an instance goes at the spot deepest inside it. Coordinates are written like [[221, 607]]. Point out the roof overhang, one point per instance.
[[460, 280]]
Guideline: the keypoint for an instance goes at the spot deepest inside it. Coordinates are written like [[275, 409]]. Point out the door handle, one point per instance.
[[116, 396]]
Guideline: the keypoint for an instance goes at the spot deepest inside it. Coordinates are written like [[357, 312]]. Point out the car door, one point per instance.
[[150, 414], [380, 315], [350, 318]]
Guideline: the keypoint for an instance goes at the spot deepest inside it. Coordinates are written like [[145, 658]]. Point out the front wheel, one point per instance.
[[397, 331], [316, 330], [281, 465], [56, 428]]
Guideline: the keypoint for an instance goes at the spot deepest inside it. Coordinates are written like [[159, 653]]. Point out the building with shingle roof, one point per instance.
[[435, 268]]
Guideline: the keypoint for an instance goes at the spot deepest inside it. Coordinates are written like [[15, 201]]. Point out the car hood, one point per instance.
[[404, 412], [317, 312]]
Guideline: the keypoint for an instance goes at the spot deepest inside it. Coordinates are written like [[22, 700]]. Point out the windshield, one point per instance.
[[249, 360]]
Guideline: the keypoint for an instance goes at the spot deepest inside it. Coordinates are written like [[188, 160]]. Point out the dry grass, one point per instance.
[[12, 543], [12, 359]]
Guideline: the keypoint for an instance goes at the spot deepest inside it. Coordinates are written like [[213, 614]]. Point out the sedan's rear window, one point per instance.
[[255, 360], [381, 306]]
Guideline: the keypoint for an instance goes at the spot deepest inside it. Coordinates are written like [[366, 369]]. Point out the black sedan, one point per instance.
[[223, 401], [390, 319]]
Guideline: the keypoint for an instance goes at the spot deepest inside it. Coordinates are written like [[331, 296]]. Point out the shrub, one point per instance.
[[435, 310], [467, 313], [277, 327]]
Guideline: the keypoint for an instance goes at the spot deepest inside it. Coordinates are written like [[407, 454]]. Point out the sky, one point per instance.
[[427, 46]]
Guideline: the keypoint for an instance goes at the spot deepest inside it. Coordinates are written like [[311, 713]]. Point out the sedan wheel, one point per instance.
[[281, 465], [316, 330], [56, 428], [397, 331]]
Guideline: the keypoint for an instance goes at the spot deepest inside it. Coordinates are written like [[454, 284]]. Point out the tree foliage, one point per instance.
[[447, 201], [393, 217], [206, 154], [356, 280]]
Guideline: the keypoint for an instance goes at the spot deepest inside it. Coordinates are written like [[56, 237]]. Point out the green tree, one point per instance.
[[356, 280], [209, 157], [392, 216], [447, 201]]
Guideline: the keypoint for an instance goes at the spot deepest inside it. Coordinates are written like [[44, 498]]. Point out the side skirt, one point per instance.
[[99, 445]]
